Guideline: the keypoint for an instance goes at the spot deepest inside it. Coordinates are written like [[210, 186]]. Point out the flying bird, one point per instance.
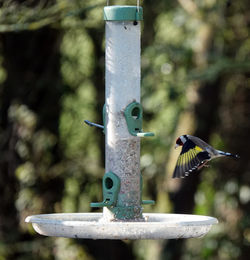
[[194, 155]]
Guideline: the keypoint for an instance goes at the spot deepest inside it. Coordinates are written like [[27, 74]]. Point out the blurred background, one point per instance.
[[195, 80]]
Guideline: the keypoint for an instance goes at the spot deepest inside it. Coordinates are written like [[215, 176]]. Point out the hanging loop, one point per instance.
[[138, 6]]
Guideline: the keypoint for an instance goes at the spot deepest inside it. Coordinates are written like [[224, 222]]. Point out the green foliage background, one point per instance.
[[195, 80]]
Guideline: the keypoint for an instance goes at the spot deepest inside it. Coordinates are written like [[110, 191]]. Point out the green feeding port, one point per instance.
[[133, 114], [123, 13], [110, 188]]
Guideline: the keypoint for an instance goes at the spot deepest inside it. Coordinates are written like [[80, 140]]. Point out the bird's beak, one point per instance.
[[177, 145]]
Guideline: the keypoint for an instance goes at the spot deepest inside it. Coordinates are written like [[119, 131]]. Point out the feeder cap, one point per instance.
[[123, 13]]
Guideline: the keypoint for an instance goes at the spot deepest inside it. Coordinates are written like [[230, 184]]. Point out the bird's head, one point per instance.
[[181, 140]]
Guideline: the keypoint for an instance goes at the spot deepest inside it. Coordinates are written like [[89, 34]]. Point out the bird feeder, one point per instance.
[[122, 216]]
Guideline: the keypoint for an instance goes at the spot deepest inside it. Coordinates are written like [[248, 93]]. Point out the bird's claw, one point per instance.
[[203, 165]]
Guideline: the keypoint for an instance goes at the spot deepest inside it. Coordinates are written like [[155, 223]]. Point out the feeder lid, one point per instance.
[[123, 13]]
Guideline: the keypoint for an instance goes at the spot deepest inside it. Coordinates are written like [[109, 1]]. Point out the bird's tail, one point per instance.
[[236, 156]]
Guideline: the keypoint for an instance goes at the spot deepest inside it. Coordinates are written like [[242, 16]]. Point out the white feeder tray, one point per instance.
[[93, 226]]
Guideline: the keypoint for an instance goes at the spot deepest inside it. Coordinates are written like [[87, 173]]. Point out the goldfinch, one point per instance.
[[194, 155]]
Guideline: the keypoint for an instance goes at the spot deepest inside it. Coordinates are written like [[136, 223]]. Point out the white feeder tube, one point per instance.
[[122, 88]]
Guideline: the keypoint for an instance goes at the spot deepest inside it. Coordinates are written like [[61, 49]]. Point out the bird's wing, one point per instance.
[[190, 158], [205, 146], [198, 141]]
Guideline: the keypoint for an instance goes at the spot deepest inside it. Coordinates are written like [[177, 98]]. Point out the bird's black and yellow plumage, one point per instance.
[[195, 154], [191, 157]]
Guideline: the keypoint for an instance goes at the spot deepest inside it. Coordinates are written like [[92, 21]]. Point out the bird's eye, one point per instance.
[[179, 142]]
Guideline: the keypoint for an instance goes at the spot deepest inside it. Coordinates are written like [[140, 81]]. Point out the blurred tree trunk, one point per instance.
[[32, 64], [202, 118]]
